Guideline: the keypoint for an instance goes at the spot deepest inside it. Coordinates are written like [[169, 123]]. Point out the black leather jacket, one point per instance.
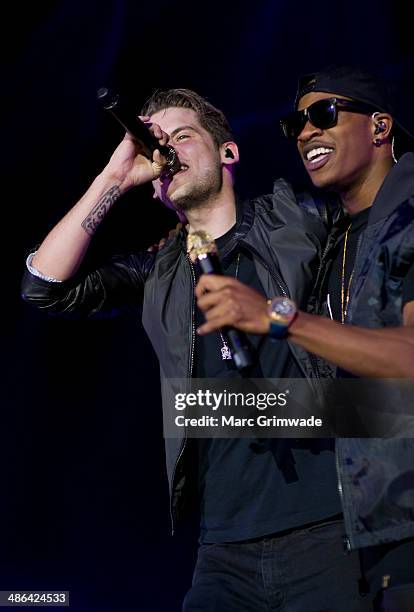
[[285, 241]]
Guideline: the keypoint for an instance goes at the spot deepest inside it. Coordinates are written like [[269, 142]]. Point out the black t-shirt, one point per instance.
[[249, 490]]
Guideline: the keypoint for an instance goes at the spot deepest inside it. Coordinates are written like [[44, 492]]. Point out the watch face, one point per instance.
[[282, 309]]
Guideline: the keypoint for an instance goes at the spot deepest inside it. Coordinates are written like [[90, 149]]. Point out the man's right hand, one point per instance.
[[62, 251], [128, 167]]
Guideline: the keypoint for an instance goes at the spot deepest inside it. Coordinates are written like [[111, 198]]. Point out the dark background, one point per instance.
[[83, 490]]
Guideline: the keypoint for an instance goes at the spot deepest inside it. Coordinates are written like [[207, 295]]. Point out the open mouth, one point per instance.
[[316, 155], [167, 177]]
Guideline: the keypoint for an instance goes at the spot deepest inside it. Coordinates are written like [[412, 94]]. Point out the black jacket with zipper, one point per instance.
[[376, 475], [285, 235]]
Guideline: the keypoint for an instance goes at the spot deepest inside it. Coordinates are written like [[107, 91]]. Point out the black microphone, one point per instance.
[[127, 117], [202, 249]]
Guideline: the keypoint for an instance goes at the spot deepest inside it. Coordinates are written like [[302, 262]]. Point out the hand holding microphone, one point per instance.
[[139, 133], [202, 250]]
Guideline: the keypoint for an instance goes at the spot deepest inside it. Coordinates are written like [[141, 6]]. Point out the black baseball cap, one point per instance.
[[362, 86]]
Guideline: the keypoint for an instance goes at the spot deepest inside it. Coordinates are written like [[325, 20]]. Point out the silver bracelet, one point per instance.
[[36, 272]]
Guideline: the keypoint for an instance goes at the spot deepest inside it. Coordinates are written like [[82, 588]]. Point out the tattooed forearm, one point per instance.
[[93, 220]]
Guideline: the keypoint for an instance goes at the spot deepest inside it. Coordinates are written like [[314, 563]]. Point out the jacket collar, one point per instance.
[[244, 220], [397, 187]]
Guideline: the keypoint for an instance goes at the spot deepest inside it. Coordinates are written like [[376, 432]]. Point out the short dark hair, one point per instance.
[[211, 118]]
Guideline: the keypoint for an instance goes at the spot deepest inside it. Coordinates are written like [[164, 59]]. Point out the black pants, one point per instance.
[[304, 571]]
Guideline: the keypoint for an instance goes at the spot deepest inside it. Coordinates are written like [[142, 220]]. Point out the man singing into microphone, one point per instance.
[[249, 497]]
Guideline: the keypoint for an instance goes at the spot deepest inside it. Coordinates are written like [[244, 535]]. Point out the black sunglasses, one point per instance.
[[322, 114]]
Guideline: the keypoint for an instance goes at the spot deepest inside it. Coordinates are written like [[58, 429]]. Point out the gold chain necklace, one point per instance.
[[225, 349], [345, 299]]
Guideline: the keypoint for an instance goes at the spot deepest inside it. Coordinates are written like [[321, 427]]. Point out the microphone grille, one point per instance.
[[199, 244]]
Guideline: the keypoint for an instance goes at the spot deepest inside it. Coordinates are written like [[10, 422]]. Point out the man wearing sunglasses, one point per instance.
[[352, 142]]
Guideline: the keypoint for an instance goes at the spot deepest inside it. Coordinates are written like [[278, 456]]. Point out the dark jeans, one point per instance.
[[303, 571]]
